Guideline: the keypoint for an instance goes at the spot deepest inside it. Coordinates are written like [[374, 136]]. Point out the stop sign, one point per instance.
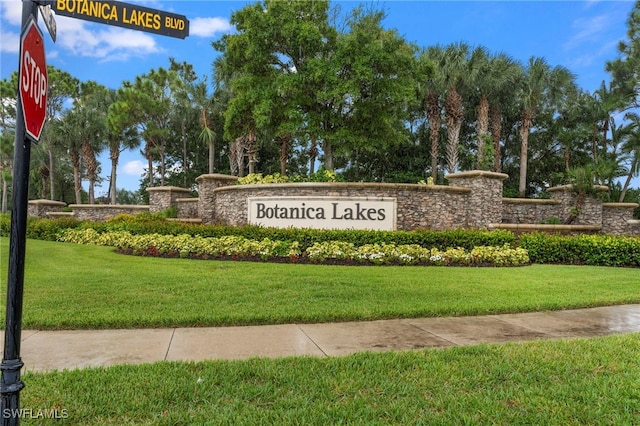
[[33, 80]]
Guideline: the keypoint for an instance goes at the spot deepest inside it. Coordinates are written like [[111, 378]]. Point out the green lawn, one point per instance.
[[74, 286], [572, 382]]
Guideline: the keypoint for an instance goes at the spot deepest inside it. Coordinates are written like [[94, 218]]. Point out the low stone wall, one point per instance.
[[529, 211], [591, 213], [42, 208], [164, 197], [473, 199], [102, 212], [418, 206], [187, 208], [616, 219]]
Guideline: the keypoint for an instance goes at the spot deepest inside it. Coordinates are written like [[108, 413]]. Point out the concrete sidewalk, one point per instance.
[[55, 350]]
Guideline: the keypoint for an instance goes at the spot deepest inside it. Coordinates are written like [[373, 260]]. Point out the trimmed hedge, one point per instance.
[[601, 250]]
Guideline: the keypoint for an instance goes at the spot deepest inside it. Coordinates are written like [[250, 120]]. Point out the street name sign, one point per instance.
[[124, 15], [33, 80], [49, 21]]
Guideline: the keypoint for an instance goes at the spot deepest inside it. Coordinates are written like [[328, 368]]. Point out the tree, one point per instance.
[[293, 72], [539, 81], [456, 68], [120, 136], [434, 88], [631, 147], [625, 69], [492, 79], [146, 105]]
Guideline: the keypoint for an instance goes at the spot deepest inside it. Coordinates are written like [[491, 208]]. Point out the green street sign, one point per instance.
[[124, 15]]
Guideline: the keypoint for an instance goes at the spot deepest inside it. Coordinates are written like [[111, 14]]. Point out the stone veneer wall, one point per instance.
[[529, 211], [187, 208], [617, 219], [164, 197], [418, 206], [207, 185], [484, 205], [42, 208], [591, 211], [102, 212]]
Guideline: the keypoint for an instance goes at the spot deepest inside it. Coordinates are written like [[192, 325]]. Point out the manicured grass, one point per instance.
[[572, 382], [74, 286]]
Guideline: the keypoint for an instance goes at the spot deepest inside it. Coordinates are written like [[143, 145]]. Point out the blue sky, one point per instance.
[[580, 35]]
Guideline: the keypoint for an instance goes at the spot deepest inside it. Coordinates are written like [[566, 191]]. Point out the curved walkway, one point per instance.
[[56, 350]]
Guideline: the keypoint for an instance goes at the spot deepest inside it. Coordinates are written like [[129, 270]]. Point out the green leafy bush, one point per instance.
[[601, 250]]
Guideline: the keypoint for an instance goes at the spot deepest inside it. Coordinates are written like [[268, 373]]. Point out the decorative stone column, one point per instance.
[[164, 197], [617, 218], [42, 208], [207, 185], [484, 205]]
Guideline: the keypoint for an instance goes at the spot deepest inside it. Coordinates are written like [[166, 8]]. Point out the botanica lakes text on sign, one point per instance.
[[323, 212]]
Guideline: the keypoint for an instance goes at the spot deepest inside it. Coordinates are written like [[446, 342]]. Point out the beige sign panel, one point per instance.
[[324, 212]]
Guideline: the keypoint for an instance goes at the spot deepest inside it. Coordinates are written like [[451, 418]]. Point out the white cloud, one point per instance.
[[11, 11], [589, 30], [133, 168], [207, 27], [10, 42], [102, 42]]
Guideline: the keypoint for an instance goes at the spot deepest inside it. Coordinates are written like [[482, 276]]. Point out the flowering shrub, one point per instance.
[[322, 175], [185, 245]]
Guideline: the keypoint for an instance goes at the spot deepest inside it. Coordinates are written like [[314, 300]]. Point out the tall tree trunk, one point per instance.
[[52, 183], [625, 187], [185, 161], [527, 119], [328, 155], [284, 152], [313, 155], [212, 155], [5, 198], [89, 157], [496, 134], [435, 121], [482, 127], [44, 173], [147, 152], [77, 186], [251, 151], [114, 155], [163, 165]]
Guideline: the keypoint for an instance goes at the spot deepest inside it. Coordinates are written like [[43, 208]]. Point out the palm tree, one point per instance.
[[496, 94], [456, 66], [539, 81], [120, 137], [434, 88]]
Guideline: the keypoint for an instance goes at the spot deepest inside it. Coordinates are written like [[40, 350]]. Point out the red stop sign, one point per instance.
[[33, 80]]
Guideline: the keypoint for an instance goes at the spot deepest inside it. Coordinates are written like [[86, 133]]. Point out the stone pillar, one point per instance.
[[617, 218], [164, 197], [41, 208], [484, 205], [207, 185]]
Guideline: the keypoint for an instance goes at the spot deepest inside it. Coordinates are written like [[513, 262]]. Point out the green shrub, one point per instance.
[[601, 250]]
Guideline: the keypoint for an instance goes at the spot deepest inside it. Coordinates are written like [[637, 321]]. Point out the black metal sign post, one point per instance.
[[10, 384]]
